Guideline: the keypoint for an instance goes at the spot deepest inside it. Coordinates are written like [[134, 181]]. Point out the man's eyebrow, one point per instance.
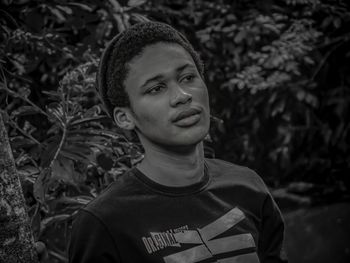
[[160, 76], [187, 65]]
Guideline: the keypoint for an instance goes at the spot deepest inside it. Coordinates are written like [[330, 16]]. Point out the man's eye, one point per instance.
[[155, 89], [188, 78]]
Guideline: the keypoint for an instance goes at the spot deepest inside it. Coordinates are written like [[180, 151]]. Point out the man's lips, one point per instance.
[[185, 114]]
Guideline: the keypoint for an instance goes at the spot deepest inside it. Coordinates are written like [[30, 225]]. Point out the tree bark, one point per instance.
[[16, 239]]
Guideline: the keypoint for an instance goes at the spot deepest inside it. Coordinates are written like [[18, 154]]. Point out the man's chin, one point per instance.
[[186, 143], [178, 141]]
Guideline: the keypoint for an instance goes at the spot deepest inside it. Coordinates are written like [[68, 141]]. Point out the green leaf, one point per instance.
[[63, 169], [278, 108], [35, 221], [105, 161], [87, 120], [56, 113], [40, 185], [81, 6], [93, 111], [52, 94], [21, 142], [81, 148], [76, 200], [28, 171], [92, 140], [25, 110], [60, 17], [337, 22], [77, 157], [272, 28], [135, 3], [93, 132], [308, 60], [65, 9], [49, 221], [240, 36], [48, 153]]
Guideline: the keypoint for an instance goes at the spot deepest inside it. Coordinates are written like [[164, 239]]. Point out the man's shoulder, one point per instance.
[[115, 195], [231, 173]]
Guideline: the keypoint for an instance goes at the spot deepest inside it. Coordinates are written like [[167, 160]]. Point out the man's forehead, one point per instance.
[[160, 59]]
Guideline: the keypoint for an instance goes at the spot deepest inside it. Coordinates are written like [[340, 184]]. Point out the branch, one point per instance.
[[321, 64], [17, 95], [63, 139], [345, 37], [14, 124]]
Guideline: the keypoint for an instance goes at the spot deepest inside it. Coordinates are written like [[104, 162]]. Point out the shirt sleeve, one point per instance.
[[271, 241], [90, 241]]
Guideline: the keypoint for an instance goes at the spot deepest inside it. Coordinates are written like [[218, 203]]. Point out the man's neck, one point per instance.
[[172, 168]]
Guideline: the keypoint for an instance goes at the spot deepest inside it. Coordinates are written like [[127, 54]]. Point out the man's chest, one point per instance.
[[213, 231]]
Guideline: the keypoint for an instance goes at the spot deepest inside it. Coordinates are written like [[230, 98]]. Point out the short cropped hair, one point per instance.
[[113, 67]]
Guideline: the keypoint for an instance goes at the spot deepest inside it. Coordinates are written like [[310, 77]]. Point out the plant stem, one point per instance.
[[63, 139]]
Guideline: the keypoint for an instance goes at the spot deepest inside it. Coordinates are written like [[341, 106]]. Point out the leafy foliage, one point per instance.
[[269, 74], [277, 72], [66, 149]]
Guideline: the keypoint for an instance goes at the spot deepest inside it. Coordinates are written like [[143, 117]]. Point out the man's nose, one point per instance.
[[179, 95]]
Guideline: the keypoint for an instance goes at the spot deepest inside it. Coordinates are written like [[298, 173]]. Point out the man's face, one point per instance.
[[168, 97]]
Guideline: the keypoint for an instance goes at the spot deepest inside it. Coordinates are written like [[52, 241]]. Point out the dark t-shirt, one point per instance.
[[229, 216]]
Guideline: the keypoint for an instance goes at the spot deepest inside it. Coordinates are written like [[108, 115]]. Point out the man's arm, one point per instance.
[[271, 238], [91, 242]]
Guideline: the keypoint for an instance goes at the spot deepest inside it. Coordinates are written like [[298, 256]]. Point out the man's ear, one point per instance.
[[124, 118]]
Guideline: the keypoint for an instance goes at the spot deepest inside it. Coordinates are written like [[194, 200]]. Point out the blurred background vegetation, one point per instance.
[[278, 74]]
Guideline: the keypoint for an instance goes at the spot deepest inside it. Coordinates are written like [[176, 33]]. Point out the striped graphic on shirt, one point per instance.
[[208, 246]]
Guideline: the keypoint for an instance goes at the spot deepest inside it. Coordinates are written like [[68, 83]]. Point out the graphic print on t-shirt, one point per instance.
[[160, 240], [207, 245]]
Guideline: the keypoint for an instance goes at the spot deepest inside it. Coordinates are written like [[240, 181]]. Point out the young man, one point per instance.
[[175, 206]]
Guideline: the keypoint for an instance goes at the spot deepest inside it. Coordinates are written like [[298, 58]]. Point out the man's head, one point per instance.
[[114, 68], [151, 81]]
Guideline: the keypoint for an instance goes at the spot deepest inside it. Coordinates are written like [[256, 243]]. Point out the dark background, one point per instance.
[[278, 74]]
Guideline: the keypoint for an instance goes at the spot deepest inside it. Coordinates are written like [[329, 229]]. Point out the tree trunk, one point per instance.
[[16, 239]]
